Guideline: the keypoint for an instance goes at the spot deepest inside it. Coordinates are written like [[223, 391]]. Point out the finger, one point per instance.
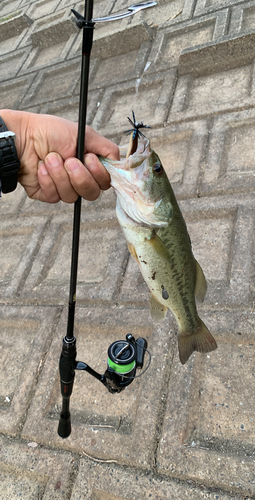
[[55, 168], [82, 180], [99, 145], [97, 170], [48, 191]]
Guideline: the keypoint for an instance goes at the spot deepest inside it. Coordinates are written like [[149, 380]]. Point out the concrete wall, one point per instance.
[[186, 67]]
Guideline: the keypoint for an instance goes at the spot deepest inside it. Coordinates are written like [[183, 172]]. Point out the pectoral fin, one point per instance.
[[133, 252], [158, 246], [201, 285], [157, 310]]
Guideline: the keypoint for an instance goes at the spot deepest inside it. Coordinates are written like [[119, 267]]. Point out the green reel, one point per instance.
[[122, 358]]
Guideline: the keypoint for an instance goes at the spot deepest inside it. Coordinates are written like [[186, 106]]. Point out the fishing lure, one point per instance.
[[136, 134]]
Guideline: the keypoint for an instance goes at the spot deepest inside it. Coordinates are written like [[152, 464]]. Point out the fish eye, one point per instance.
[[157, 168]]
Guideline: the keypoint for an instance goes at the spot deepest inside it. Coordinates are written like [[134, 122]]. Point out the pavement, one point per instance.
[[186, 67]]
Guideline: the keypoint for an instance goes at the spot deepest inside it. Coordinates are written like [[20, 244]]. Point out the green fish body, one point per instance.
[[157, 238]]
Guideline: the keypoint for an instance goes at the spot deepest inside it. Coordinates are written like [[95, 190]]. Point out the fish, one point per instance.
[[158, 240]]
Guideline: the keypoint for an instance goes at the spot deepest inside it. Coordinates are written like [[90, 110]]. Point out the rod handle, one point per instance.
[[64, 425]]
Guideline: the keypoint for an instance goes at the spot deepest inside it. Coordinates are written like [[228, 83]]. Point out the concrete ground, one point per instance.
[[186, 67]]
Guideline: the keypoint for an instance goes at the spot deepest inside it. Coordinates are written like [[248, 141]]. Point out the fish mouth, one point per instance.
[[135, 160], [143, 151], [129, 177], [129, 174]]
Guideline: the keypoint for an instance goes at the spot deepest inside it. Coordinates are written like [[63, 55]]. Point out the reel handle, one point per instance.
[[141, 345]]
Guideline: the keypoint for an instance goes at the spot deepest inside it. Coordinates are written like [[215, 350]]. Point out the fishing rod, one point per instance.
[[124, 356]]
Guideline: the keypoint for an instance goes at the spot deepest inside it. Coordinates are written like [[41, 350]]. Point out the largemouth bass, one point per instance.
[[157, 238]]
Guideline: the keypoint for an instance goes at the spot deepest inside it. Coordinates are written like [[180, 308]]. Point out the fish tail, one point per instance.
[[201, 340]]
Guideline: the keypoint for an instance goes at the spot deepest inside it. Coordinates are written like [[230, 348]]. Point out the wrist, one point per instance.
[[16, 121], [9, 158]]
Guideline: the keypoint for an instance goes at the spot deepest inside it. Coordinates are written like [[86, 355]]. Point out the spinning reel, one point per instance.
[[124, 357]]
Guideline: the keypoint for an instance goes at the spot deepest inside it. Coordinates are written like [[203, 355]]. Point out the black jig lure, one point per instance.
[[136, 134]]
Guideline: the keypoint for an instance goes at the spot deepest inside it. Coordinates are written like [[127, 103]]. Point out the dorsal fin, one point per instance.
[[201, 285]]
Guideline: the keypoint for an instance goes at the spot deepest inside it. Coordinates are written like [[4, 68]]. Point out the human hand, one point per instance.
[[46, 147]]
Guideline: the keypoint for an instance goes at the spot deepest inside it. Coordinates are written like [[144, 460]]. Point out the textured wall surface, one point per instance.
[[186, 67]]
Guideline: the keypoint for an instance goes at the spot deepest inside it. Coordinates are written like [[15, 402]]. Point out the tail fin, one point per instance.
[[200, 340]]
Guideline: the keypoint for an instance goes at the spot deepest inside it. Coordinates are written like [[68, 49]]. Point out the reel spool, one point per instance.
[[124, 357], [121, 365]]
